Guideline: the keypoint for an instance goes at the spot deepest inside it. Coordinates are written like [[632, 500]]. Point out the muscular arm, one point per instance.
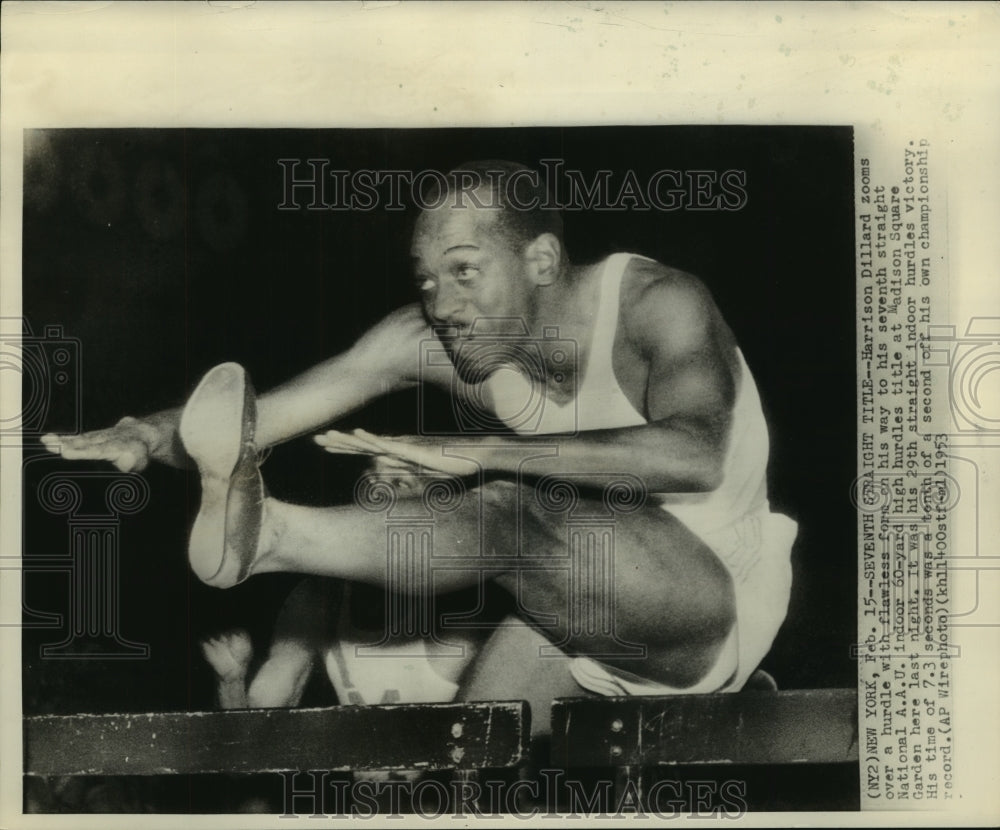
[[384, 360], [676, 329]]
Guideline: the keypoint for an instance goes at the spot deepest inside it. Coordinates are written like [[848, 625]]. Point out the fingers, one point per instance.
[[385, 460], [342, 443], [130, 456], [97, 453], [390, 464], [365, 435], [335, 450], [376, 443], [236, 643], [59, 444], [382, 444], [87, 442], [51, 442], [404, 451]]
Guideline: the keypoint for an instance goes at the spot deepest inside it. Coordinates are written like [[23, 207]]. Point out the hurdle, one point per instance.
[[462, 737], [632, 735]]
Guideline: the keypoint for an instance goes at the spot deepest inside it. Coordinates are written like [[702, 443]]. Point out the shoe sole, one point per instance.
[[217, 430]]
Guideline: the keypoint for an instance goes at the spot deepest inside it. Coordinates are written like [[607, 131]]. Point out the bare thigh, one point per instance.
[[632, 587]]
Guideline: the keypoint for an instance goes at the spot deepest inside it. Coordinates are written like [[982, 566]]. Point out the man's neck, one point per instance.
[[568, 305]]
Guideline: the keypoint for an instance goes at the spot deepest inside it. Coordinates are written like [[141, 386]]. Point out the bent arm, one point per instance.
[[381, 362], [689, 394], [384, 360], [667, 458]]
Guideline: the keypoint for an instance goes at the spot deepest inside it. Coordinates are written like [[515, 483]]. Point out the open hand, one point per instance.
[[128, 444], [417, 452]]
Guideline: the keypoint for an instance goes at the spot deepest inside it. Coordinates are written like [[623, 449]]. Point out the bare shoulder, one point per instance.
[[405, 340], [660, 303], [392, 346], [407, 320], [404, 326]]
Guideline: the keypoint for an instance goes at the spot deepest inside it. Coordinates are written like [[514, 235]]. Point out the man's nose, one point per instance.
[[447, 305]]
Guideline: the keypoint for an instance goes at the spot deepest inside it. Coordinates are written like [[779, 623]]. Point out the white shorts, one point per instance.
[[396, 671], [756, 550]]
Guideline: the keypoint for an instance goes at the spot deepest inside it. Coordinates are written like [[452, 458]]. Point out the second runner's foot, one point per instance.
[[217, 430]]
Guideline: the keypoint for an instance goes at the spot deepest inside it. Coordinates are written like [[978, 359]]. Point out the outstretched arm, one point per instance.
[[687, 351], [384, 360]]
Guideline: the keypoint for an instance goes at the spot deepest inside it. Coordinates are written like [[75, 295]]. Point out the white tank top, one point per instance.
[[600, 403], [734, 520]]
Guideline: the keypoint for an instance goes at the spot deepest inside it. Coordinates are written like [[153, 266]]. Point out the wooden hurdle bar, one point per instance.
[[628, 735], [631, 735], [464, 737]]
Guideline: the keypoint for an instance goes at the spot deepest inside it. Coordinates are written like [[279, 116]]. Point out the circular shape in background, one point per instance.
[[975, 386], [98, 185], [29, 362], [939, 494], [505, 368], [159, 199], [871, 494], [221, 211]]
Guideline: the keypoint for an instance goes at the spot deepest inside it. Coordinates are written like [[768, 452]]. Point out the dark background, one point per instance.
[[163, 253]]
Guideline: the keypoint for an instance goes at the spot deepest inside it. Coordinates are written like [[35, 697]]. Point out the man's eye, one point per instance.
[[464, 273]]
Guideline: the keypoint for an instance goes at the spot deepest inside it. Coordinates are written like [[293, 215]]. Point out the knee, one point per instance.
[[687, 597], [699, 637], [499, 494], [269, 691], [280, 680], [713, 602]]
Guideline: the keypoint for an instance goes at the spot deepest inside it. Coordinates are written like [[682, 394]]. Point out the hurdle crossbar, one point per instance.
[[768, 727], [433, 736]]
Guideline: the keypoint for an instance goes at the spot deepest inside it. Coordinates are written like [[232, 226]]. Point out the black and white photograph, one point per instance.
[[482, 469], [460, 500]]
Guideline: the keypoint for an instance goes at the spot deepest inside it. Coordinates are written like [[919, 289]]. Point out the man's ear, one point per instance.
[[543, 256]]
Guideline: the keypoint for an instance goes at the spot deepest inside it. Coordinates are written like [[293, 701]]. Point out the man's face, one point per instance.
[[468, 272]]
